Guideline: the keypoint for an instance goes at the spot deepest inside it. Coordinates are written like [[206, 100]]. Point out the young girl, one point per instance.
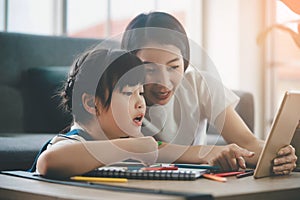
[[182, 101], [104, 91]]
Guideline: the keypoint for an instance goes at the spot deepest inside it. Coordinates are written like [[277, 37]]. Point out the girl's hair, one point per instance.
[[169, 31], [99, 72]]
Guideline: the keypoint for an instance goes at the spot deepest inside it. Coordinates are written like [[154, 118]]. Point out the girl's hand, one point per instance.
[[144, 149], [228, 158], [285, 162]]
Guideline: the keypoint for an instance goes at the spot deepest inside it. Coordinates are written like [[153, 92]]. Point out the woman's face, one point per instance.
[[125, 114], [164, 70]]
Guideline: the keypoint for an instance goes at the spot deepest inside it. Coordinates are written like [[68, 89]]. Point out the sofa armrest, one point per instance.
[[18, 150]]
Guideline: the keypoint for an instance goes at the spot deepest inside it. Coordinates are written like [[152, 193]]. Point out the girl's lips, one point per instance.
[[138, 120]]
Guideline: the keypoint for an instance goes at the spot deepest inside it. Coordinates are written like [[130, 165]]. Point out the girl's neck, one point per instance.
[[93, 129]]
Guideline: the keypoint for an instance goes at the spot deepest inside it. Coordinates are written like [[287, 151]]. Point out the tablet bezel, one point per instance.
[[281, 134]]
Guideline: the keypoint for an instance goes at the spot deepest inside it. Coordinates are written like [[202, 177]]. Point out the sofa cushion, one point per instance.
[[42, 111], [11, 107], [20, 52], [23, 51]]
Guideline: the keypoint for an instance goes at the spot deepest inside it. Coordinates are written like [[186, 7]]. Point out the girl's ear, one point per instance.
[[89, 103]]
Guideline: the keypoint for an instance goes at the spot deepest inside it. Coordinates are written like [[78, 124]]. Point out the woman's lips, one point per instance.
[[162, 95]]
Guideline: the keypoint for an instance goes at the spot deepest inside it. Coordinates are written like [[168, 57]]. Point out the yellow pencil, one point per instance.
[[99, 179]]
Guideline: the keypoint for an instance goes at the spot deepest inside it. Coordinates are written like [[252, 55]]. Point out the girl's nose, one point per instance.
[[140, 102]]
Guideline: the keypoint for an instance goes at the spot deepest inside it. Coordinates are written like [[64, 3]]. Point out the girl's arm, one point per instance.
[[81, 157]]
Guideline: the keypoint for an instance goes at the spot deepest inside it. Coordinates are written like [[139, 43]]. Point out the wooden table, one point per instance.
[[279, 187]]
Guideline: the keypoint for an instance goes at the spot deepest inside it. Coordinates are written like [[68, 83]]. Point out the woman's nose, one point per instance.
[[164, 79]]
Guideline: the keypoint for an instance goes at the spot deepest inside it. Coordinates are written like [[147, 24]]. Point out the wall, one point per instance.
[[229, 36]]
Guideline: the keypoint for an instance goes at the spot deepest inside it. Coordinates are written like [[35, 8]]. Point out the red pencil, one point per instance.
[[225, 174], [215, 178], [159, 168]]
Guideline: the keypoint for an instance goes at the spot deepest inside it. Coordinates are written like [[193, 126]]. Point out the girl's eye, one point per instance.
[[127, 93], [150, 70], [142, 93]]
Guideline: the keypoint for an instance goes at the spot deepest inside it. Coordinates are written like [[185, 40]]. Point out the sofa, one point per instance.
[[32, 69]]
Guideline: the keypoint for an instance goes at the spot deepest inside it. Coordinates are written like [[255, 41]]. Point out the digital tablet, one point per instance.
[[281, 134]]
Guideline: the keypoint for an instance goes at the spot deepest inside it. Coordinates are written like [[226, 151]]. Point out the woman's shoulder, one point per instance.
[[197, 74], [192, 73], [206, 84], [199, 78], [194, 80]]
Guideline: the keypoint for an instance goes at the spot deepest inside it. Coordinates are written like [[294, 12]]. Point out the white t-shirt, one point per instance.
[[183, 120]]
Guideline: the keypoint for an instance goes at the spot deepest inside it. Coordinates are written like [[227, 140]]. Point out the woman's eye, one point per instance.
[[142, 93], [173, 67], [127, 93]]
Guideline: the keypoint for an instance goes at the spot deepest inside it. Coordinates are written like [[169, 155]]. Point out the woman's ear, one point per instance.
[[89, 103]]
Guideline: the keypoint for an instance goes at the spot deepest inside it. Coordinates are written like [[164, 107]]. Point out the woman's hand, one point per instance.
[[228, 158], [285, 162]]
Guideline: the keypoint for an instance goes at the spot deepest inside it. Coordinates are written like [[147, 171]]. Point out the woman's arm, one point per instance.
[[236, 131], [229, 157], [243, 148], [81, 157]]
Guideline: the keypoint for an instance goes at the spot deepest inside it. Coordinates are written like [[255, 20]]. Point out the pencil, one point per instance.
[[215, 178], [250, 173], [99, 179], [225, 174], [194, 166]]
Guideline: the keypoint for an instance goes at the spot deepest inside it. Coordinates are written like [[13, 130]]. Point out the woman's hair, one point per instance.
[[99, 72], [158, 28]]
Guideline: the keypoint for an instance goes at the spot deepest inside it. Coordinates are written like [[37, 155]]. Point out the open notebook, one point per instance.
[[146, 173]]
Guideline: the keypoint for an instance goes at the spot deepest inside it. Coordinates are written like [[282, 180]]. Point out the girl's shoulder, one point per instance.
[[70, 137]]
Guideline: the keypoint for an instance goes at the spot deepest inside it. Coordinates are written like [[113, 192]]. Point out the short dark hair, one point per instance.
[[99, 72], [139, 32]]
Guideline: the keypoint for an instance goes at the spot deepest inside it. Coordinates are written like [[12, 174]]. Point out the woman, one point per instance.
[[181, 100]]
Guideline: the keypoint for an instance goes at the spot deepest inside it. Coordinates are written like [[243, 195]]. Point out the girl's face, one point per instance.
[[164, 71], [125, 114]]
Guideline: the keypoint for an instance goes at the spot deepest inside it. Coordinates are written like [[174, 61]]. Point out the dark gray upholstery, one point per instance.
[[18, 150], [32, 69], [30, 75], [42, 112], [18, 55]]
